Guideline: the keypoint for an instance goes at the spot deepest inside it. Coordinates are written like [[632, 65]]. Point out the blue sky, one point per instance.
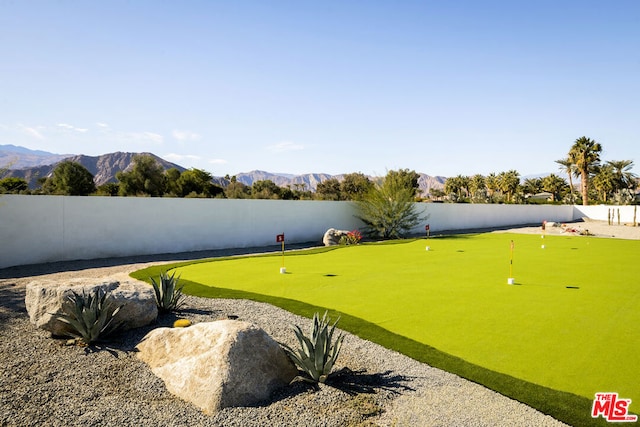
[[444, 88]]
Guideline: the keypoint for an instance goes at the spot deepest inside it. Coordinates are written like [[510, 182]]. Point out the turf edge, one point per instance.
[[567, 407]]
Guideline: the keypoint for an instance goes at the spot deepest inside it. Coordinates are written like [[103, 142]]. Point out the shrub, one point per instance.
[[89, 316], [168, 294], [388, 209], [352, 238], [317, 354]]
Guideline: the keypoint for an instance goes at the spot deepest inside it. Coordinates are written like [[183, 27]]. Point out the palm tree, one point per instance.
[[621, 170], [604, 182], [568, 167], [508, 183], [491, 182], [532, 185], [554, 185], [585, 154], [478, 189]]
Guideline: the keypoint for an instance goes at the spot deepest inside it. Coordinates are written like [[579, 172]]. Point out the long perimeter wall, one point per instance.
[[37, 229]]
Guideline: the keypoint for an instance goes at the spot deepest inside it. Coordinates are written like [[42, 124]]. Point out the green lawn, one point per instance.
[[571, 323]]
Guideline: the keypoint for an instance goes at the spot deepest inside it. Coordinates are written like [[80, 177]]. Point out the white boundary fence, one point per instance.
[[37, 229]]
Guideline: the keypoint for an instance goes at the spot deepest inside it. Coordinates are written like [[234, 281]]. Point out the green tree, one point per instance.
[[457, 187], [492, 184], [389, 209], [585, 155], [12, 185], [172, 186], [404, 178], [197, 183], [437, 194], [554, 185], [604, 182], [108, 189], [477, 189], [508, 183], [532, 186], [300, 191], [567, 166], [355, 186], [265, 189], [70, 178], [329, 189], [237, 190], [146, 178], [624, 178]]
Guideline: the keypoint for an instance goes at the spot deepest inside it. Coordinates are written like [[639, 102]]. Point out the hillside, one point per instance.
[[103, 168], [311, 180], [14, 157]]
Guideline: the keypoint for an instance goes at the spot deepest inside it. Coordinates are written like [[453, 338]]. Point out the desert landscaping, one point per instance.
[[49, 383]]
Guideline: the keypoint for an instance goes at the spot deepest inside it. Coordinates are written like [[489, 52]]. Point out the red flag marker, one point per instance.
[[280, 239]]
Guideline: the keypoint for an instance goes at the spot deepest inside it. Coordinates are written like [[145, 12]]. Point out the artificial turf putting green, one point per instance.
[[571, 322]]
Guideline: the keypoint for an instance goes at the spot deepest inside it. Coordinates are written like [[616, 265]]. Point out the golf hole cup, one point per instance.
[[283, 270], [511, 281]]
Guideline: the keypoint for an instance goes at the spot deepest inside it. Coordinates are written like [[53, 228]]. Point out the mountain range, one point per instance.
[[31, 165]]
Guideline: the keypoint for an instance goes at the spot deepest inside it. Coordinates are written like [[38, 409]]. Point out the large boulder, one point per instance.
[[44, 299], [217, 364], [332, 236]]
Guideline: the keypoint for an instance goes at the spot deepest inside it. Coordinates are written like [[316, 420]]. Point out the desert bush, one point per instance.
[[388, 209], [317, 354], [351, 238], [89, 315], [168, 294]]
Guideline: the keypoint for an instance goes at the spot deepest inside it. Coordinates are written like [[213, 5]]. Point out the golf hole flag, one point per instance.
[[280, 239]]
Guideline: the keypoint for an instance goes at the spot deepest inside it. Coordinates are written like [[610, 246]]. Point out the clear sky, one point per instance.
[[441, 87]]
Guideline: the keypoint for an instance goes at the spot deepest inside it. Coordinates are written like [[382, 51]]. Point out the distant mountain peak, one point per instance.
[[15, 157], [104, 168]]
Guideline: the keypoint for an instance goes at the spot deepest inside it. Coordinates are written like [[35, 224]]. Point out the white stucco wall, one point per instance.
[[604, 212], [458, 216], [36, 229]]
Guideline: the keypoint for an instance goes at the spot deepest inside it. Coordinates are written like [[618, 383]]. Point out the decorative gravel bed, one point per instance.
[[46, 383]]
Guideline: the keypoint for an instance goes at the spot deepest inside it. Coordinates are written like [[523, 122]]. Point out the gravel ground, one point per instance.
[[45, 383]]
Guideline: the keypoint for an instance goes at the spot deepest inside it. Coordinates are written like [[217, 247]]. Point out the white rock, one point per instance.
[[332, 236], [217, 364], [45, 298]]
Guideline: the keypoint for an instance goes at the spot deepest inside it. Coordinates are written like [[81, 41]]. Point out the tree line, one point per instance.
[[148, 178], [600, 182]]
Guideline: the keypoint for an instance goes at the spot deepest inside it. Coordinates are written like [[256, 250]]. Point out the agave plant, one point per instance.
[[318, 353], [89, 315], [169, 295]]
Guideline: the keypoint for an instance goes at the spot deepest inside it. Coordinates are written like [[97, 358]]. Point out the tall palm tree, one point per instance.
[[621, 170], [568, 167], [585, 154]]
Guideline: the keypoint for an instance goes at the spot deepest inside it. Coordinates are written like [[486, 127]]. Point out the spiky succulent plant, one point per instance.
[[89, 315], [169, 295], [317, 354]]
